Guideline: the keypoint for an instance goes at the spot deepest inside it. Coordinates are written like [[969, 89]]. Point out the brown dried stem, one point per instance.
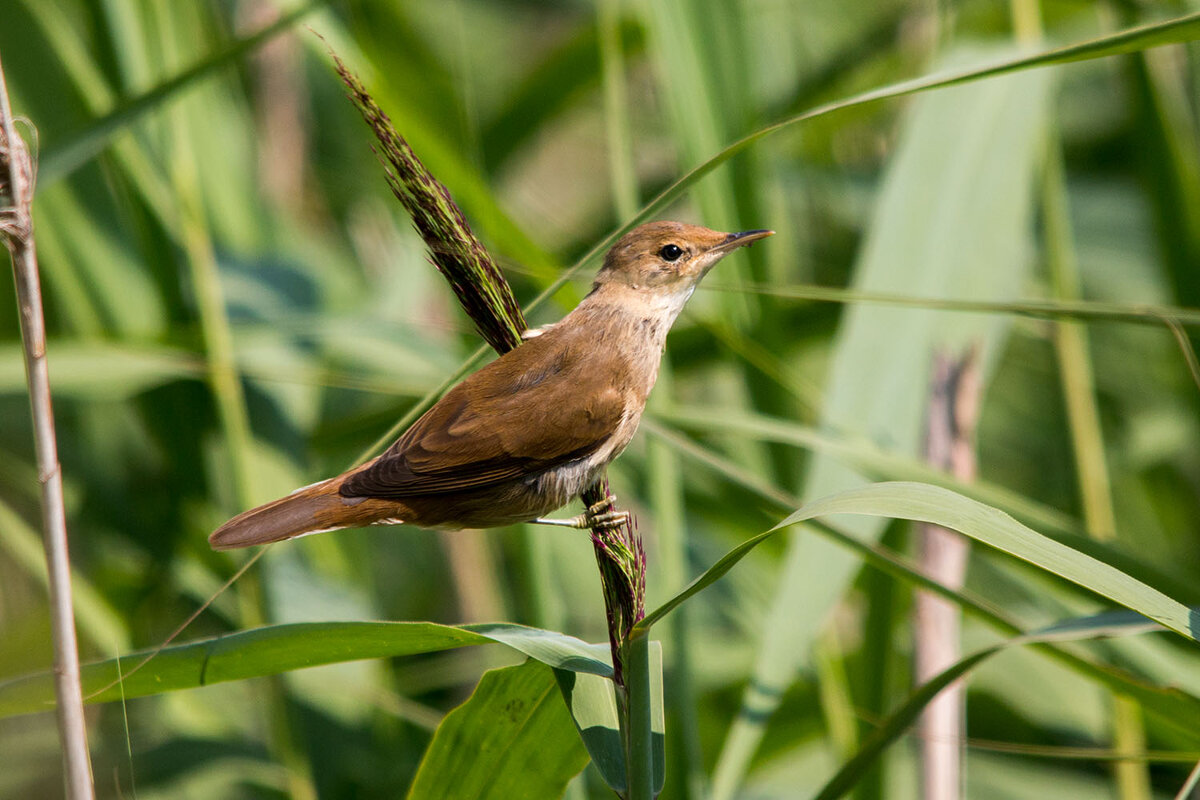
[[16, 229]]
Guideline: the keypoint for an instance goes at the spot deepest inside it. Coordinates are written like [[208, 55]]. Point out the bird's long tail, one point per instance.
[[313, 509]]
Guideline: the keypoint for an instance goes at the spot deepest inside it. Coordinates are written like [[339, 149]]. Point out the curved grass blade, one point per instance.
[[1093, 627], [1172, 706], [1033, 308], [280, 648], [511, 738], [1173, 31], [872, 553], [879, 464], [926, 503]]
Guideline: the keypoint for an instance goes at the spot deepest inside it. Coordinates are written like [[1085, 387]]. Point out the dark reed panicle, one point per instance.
[[622, 564], [453, 248], [488, 300]]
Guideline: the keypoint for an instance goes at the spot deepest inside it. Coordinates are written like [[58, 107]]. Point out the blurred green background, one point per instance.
[[238, 307]]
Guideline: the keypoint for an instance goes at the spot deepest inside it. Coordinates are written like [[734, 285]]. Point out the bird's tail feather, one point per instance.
[[313, 509]]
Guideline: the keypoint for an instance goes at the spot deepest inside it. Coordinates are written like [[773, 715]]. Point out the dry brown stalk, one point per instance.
[[16, 229]]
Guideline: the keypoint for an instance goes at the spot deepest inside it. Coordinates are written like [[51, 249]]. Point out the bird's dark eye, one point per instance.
[[671, 252]]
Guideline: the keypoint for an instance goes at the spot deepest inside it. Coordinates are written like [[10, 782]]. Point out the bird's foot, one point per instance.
[[595, 517]]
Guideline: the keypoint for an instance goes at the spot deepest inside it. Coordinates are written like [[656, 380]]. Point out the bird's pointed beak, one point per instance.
[[736, 240]]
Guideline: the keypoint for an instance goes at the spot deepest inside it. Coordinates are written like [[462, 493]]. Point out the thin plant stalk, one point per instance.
[[667, 500], [16, 228], [636, 721], [1189, 786], [1087, 439], [1051, 309]]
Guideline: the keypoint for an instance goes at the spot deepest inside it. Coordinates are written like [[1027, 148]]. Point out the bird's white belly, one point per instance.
[[565, 482]]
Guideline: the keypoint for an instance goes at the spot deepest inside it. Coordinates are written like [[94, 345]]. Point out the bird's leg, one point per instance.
[[595, 516]]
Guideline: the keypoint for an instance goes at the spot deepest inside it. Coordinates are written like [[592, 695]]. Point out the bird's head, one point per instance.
[[668, 258]]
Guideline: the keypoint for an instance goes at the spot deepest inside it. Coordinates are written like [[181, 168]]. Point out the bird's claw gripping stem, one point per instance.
[[595, 517]]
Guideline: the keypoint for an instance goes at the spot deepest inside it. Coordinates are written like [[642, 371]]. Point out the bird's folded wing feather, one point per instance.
[[515, 417]]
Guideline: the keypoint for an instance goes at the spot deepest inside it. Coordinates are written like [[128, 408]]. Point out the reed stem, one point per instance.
[[16, 229]]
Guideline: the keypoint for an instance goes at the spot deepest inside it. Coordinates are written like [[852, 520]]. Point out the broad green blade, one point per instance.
[[556, 649], [281, 648], [952, 219], [593, 708], [924, 503], [511, 739]]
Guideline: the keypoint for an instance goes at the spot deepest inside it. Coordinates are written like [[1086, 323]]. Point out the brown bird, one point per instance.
[[531, 430]]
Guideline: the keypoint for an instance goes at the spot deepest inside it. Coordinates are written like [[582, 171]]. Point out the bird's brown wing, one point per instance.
[[524, 413]]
